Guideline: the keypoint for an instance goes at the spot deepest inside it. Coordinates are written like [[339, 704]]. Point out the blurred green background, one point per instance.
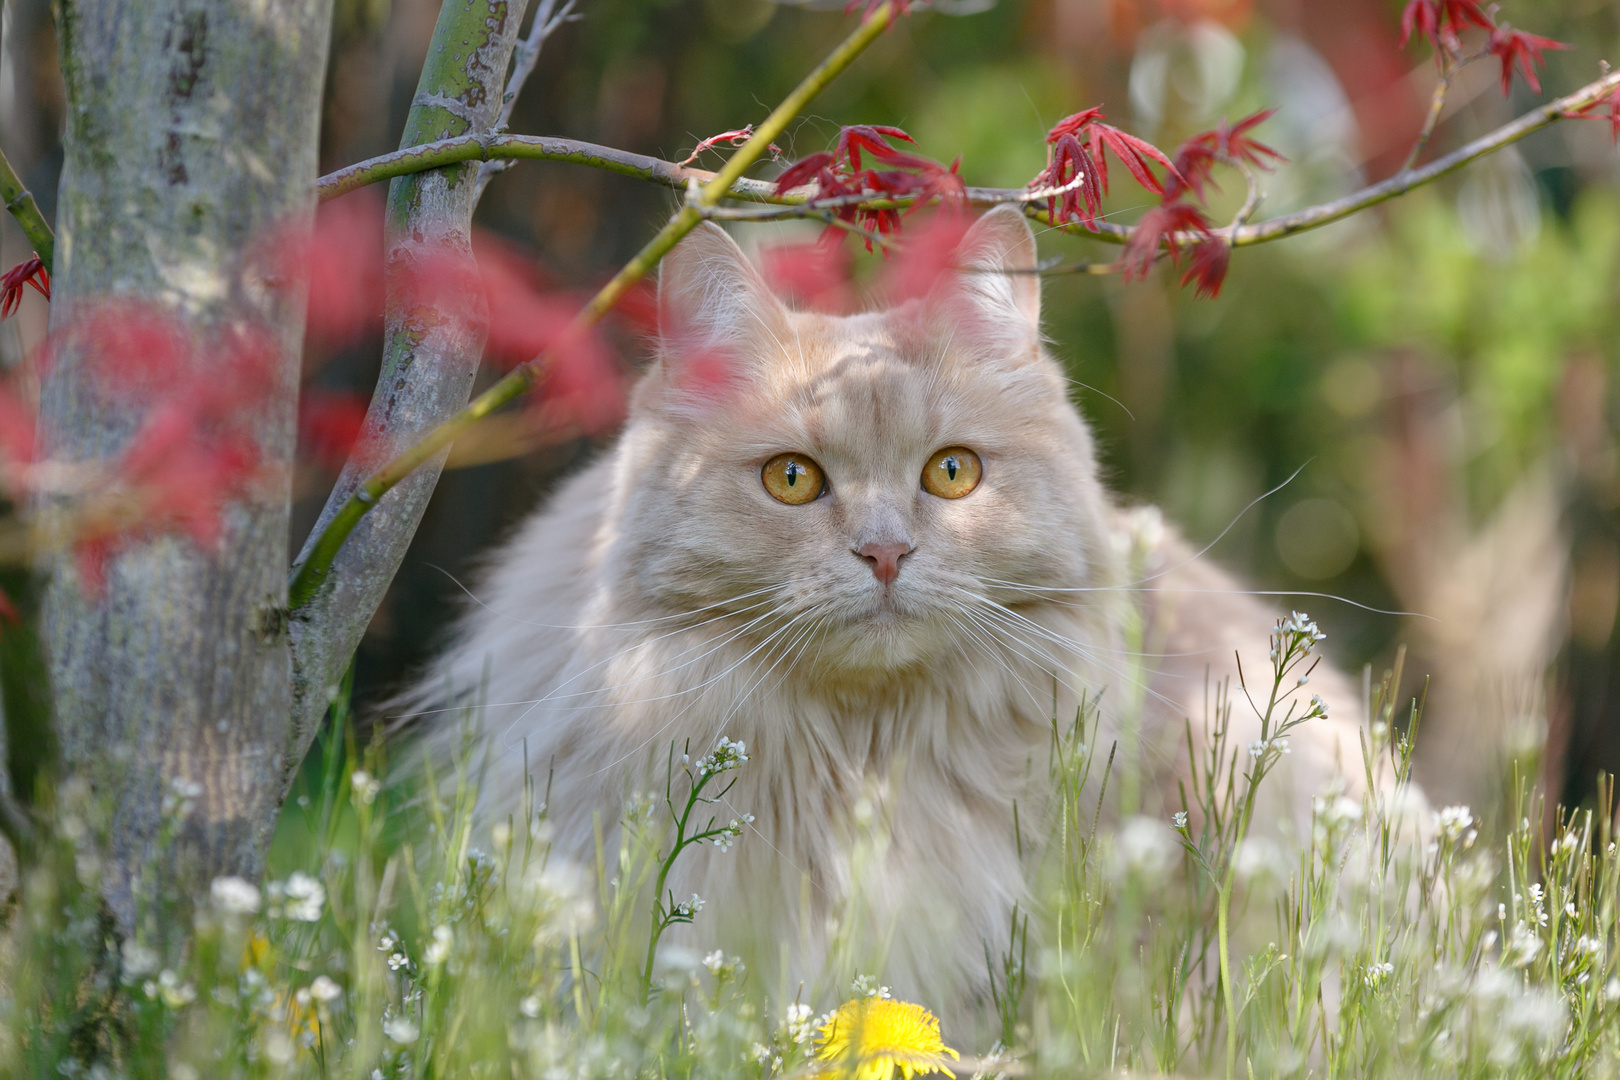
[[1437, 370]]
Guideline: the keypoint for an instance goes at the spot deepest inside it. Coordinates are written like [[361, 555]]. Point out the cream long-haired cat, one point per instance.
[[877, 552]]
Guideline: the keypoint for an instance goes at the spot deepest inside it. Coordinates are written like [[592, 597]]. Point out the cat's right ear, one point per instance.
[[710, 295]]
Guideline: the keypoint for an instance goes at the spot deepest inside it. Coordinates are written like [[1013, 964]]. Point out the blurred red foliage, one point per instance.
[[816, 275]]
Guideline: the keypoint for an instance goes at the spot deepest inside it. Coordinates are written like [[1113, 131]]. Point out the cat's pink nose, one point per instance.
[[885, 560]]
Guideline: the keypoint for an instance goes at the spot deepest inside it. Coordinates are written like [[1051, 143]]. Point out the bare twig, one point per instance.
[[1450, 68], [546, 21], [1251, 201]]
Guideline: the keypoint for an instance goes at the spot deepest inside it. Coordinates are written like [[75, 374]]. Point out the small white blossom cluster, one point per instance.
[[401, 1029], [181, 798], [390, 944], [688, 908], [1456, 824], [234, 896], [1179, 819], [1538, 902], [300, 898], [729, 833], [170, 990], [720, 966], [323, 990], [727, 754], [1377, 973], [797, 1025], [1144, 849], [1295, 633], [438, 950], [867, 986], [366, 787], [1260, 746]]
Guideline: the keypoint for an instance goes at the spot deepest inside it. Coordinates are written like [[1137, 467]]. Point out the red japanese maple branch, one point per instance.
[[801, 202]]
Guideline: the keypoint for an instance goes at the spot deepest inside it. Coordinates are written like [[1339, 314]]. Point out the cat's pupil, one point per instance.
[[793, 470], [950, 466]]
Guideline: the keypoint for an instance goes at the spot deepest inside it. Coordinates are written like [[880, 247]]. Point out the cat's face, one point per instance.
[[870, 486]]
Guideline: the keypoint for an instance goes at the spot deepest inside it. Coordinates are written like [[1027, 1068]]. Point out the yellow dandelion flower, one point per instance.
[[871, 1038]]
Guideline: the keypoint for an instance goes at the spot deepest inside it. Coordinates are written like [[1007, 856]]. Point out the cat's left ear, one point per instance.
[[998, 259], [708, 291]]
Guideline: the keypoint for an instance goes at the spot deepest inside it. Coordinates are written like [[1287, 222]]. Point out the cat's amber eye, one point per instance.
[[793, 479], [952, 472]]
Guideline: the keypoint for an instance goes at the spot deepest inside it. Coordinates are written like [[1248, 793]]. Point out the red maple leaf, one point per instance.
[[1197, 157], [1435, 19], [1206, 264], [1069, 171], [30, 271], [1510, 45], [1160, 227], [1099, 136], [839, 174]]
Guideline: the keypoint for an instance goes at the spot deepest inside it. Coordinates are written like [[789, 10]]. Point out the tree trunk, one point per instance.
[[430, 355], [191, 130]]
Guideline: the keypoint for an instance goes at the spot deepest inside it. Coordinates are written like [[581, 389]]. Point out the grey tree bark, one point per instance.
[[431, 352], [192, 128]]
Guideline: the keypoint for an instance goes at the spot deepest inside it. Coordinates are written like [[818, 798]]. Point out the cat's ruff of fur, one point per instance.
[[664, 595]]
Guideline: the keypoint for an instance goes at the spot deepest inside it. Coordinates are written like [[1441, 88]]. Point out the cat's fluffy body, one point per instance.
[[665, 596]]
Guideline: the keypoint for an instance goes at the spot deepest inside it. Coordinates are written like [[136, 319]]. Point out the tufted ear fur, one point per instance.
[[709, 293], [1000, 241]]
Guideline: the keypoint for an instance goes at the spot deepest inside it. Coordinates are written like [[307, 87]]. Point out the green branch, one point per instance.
[[800, 202], [312, 571], [20, 201]]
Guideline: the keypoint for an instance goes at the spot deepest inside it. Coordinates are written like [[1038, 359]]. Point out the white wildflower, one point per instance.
[[438, 950], [366, 787], [138, 960], [727, 754], [172, 992], [1453, 822], [796, 1021], [1179, 819], [278, 1047], [715, 962], [324, 989], [1144, 848], [867, 986], [530, 1006], [1375, 974], [305, 897], [234, 896], [1523, 947], [401, 1029]]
